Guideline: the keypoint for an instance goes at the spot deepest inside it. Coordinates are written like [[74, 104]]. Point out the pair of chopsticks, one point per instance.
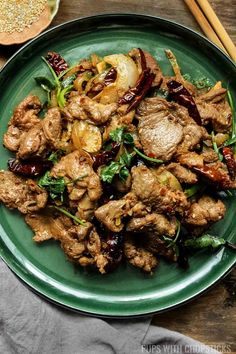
[[211, 25]]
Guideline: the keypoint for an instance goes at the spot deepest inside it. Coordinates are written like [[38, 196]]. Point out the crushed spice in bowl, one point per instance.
[[21, 20]]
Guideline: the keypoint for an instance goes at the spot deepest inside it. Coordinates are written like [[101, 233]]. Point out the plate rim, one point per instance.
[[3, 254]]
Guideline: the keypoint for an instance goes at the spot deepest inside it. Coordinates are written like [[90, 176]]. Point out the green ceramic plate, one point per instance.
[[126, 292]]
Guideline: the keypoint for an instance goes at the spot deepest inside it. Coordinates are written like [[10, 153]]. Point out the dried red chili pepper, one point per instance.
[[230, 161], [139, 57], [106, 156], [182, 96], [136, 94], [110, 77], [142, 59], [214, 176], [28, 168], [56, 62]]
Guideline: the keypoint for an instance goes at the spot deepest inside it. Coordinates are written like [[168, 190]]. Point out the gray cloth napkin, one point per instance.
[[30, 324]]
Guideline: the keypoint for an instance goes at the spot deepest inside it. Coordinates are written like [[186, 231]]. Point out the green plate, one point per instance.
[[125, 292]]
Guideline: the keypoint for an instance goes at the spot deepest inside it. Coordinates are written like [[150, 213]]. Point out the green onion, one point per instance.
[[67, 213], [146, 157]]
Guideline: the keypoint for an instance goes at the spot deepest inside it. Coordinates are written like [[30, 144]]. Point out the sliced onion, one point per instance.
[[127, 71], [86, 136]]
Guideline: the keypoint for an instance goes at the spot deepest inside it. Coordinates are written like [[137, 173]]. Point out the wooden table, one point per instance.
[[212, 317]]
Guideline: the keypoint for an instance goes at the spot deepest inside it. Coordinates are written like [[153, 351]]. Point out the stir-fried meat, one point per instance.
[[52, 126], [206, 210], [77, 169], [81, 244], [139, 257], [83, 107], [46, 226], [193, 136], [111, 214], [85, 207], [209, 155], [165, 128], [183, 174], [160, 132], [162, 199], [156, 245], [107, 200], [22, 194], [156, 223], [33, 143], [191, 159], [155, 68], [214, 108], [23, 119]]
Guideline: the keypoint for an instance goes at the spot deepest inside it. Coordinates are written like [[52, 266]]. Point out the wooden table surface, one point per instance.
[[212, 317]]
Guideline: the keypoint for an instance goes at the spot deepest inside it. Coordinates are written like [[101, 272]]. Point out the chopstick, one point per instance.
[[211, 25]]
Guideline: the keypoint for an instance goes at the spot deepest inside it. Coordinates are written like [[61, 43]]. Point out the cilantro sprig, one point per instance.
[[120, 136], [117, 168], [56, 186], [71, 216], [120, 167]]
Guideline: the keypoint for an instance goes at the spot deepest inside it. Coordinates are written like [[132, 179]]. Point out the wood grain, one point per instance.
[[212, 317]]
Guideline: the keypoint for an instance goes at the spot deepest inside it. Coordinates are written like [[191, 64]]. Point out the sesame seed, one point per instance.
[[16, 15]]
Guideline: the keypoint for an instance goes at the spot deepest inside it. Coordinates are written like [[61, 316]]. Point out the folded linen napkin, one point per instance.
[[29, 324]]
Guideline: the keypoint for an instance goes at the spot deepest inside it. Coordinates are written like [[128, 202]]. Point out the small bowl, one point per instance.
[[37, 27]]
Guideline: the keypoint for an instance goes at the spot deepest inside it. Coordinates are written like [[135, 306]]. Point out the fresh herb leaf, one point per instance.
[[117, 134], [45, 83], [117, 167], [205, 241], [67, 213], [56, 155], [215, 147], [55, 186], [108, 172], [124, 173], [126, 158], [61, 95]]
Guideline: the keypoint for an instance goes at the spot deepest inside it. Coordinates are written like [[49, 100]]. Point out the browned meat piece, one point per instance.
[[76, 167], [162, 199], [111, 214], [183, 174], [139, 257], [81, 244], [157, 223], [156, 245], [214, 108], [159, 131], [193, 135], [83, 107], [209, 156], [85, 207], [32, 143], [23, 119], [22, 194], [155, 68], [165, 128], [52, 126], [206, 210], [46, 226], [191, 159]]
